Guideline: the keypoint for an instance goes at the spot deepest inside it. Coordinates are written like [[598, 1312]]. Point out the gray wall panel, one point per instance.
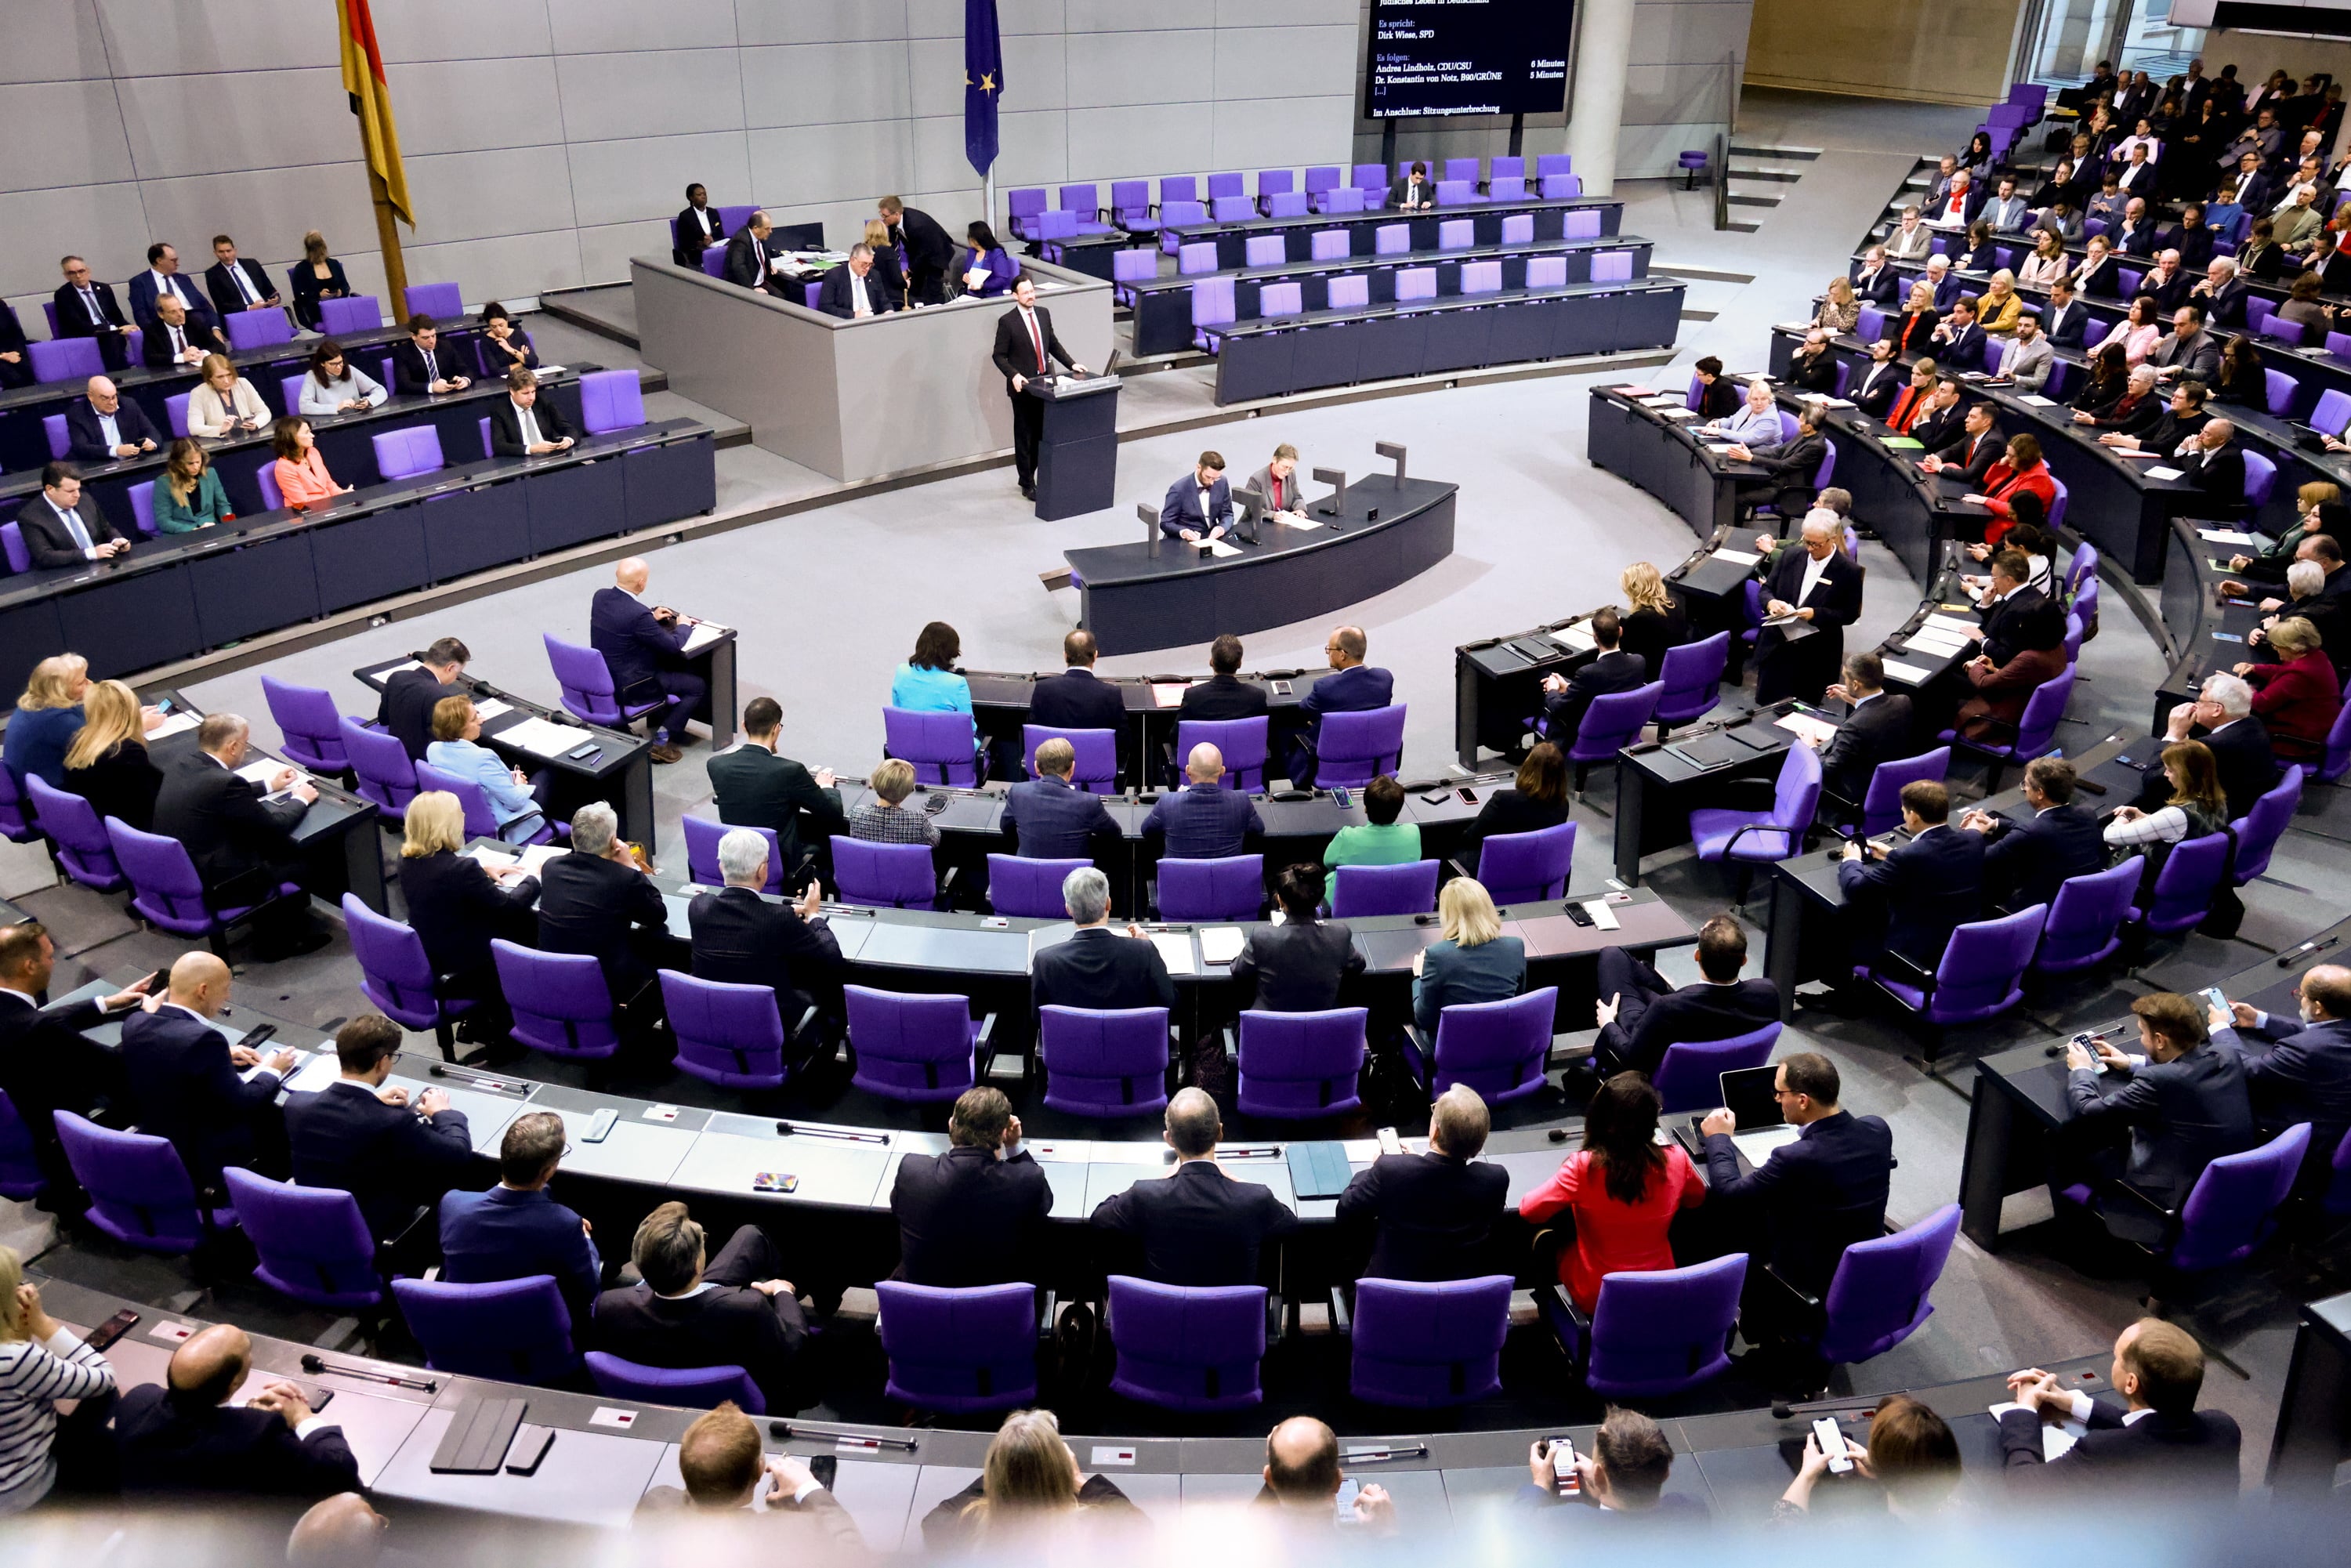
[[476, 196], [823, 84], [160, 37], [1131, 67], [1123, 16], [821, 21], [1151, 139], [844, 161], [1287, 12], [1248, 58], [80, 142], [641, 179], [267, 211], [462, 29], [599, 27], [674, 93], [209, 124], [51, 40], [106, 223], [464, 105]]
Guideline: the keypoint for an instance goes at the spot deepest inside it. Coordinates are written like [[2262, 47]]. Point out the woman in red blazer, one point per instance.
[[1622, 1189], [2022, 469], [2298, 697]]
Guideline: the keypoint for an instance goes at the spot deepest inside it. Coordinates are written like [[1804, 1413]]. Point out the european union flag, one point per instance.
[[983, 82]]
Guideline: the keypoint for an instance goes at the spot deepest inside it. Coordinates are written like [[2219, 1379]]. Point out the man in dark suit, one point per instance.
[[1048, 817], [2220, 294], [644, 648], [1969, 455], [2025, 862], [525, 425], [2159, 1442], [729, 1477], [2065, 317], [591, 899], [2136, 237], [749, 263], [1874, 391], [2249, 187], [2221, 716], [422, 367], [742, 939], [2305, 1073], [162, 278], [104, 428], [182, 1072], [1820, 1194], [1813, 368], [1927, 887], [1413, 193], [405, 708], [178, 338], [974, 1215], [1789, 469], [236, 283], [86, 308], [1958, 341], [1876, 731], [1075, 699], [2215, 464], [1874, 281], [185, 1437], [2009, 608], [1197, 1226], [58, 530], [1431, 1215], [1819, 585], [697, 228], [47, 1063], [923, 245], [1567, 699], [1025, 348], [239, 833], [851, 291], [1353, 687], [1944, 420], [368, 1140], [517, 1229], [1204, 820], [757, 787], [688, 1309], [1098, 969], [1640, 1015], [1224, 694], [1199, 506], [2185, 1107]]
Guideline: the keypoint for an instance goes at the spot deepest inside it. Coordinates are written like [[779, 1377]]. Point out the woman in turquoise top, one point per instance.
[[1474, 963], [189, 496], [927, 682]]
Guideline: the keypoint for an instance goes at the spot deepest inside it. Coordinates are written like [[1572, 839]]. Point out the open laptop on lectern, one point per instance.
[[1751, 1094]]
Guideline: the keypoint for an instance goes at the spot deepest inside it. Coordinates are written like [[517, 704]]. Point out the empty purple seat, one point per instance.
[[311, 1243], [1882, 1291], [1655, 1334], [1462, 169], [1759, 836], [1360, 892], [1550, 164], [1224, 185], [380, 766], [1982, 973], [1370, 177], [1547, 272], [513, 1331], [1519, 228], [259, 330], [1300, 1065], [1455, 234], [76, 836], [730, 1035], [1689, 676], [1506, 188], [1688, 1077], [64, 359], [1456, 193], [22, 1179], [309, 729], [714, 261], [1231, 209], [1104, 1064], [1231, 887], [1212, 309], [1611, 267], [1178, 188], [2185, 887], [140, 1193], [1182, 1349], [585, 682], [889, 876], [1881, 804], [1321, 177], [442, 301], [1498, 1049], [1354, 748], [398, 977], [2036, 732], [1085, 204], [1263, 250], [1022, 209], [15, 812], [1286, 204], [959, 1350], [559, 1001], [1130, 205], [1329, 244], [610, 399], [941, 746], [60, 441], [1275, 181], [696, 1387], [1136, 263], [1348, 293], [175, 413], [360, 313], [1191, 260], [924, 1049], [1392, 239], [1612, 723], [2259, 830], [2084, 924], [1416, 283], [402, 453], [166, 891], [1347, 199], [1527, 868], [1481, 278], [1027, 889], [1429, 1346], [1240, 741], [1581, 224], [1279, 299]]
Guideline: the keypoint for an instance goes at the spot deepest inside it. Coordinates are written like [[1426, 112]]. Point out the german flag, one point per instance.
[[363, 79]]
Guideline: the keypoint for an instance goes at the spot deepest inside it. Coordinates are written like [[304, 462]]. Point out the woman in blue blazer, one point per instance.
[[456, 748], [1473, 963], [48, 717], [990, 270]]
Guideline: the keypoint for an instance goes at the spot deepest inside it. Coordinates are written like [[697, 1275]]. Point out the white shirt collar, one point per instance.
[[30, 1001]]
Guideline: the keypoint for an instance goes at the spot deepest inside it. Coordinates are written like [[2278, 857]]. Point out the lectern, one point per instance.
[[1077, 456]]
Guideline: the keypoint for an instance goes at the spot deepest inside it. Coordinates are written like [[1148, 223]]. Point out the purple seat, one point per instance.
[[729, 1035], [76, 836], [21, 1177], [1581, 224], [714, 261], [1286, 204], [1233, 209], [1982, 974], [1212, 308], [1462, 169], [1097, 760], [1550, 164], [1192, 260], [1370, 177], [2261, 478], [2084, 924], [1351, 292], [1023, 206], [514, 1331], [64, 359], [559, 1001], [1527, 868], [1296, 1066], [1085, 202], [891, 876], [2185, 887], [2282, 390], [1321, 177], [1278, 299], [959, 1350], [1329, 244], [1180, 1349], [1052, 227], [2278, 329], [1506, 188], [2339, 345], [1457, 193], [1416, 283], [259, 330], [1133, 265], [2036, 732], [1689, 1076], [1455, 234], [140, 1193], [311, 1243], [1653, 1333], [1392, 239], [1498, 1049], [610, 399], [694, 1388], [1347, 199], [1881, 804], [1229, 888], [2229, 1213], [1228, 184], [1129, 206], [1519, 228], [1882, 1290], [702, 836], [53, 430], [1175, 214], [309, 729], [1567, 188], [1104, 1064], [1354, 748], [379, 764], [166, 891], [1547, 272], [1689, 678], [1028, 889], [1611, 267], [1869, 324], [15, 815], [481, 821], [1481, 278], [360, 313], [2259, 830], [1361, 892], [402, 454], [2336, 762], [1611, 723], [398, 977], [1264, 250], [265, 479], [585, 684], [1429, 1346], [1178, 188], [442, 301], [923, 1049]]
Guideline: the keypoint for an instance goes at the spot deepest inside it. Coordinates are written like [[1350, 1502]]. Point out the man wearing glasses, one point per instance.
[[86, 308], [1353, 687]]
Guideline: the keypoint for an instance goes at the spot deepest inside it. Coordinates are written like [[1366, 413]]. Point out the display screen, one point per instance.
[[1467, 57]]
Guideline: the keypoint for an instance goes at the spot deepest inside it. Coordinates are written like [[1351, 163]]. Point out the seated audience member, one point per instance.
[[224, 403], [1198, 1225], [1959, 341], [751, 263], [1380, 840], [505, 347], [1792, 469], [1199, 507], [41, 1362], [86, 308], [317, 277], [591, 900], [48, 715], [2026, 359], [726, 1471], [1969, 455], [852, 291], [1535, 800], [456, 905], [1620, 1191], [1717, 398], [301, 469], [47, 1063], [1414, 192], [2048, 262], [242, 843], [2001, 690], [1566, 699], [456, 749], [393, 1154], [1050, 818], [1818, 1194], [236, 283], [1911, 1455], [886, 819], [1913, 332], [333, 384], [189, 496], [16, 354], [1813, 368], [992, 270], [107, 763], [2028, 534], [162, 279], [1840, 311], [1755, 427], [2064, 318], [1473, 961], [1202, 820], [974, 1215], [411, 697], [2317, 510], [2026, 862], [2185, 1106], [1028, 1493], [422, 367], [2022, 471], [688, 1309], [1076, 698], [2304, 1074], [1875, 730], [928, 681], [1944, 417], [61, 528], [183, 1075], [2213, 463], [2182, 417], [185, 1437], [1654, 621], [2001, 308], [2297, 698], [516, 1229], [1873, 280], [1224, 694], [1302, 1481], [178, 339], [1927, 887], [742, 939], [758, 786], [1640, 1016], [2008, 605], [2110, 379], [1097, 968], [1352, 686], [644, 648], [1625, 1474], [697, 228], [525, 425], [1909, 237], [2194, 808], [1279, 482], [2156, 1442], [1301, 965], [1432, 1214]]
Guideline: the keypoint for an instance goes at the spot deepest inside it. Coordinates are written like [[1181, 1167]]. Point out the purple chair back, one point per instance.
[[1869, 324], [1136, 265], [1550, 164], [76, 835], [142, 508], [1429, 1346], [1212, 306], [1370, 177], [1456, 193], [1224, 184], [1347, 199], [729, 1035], [360, 313], [1361, 892], [310, 728], [15, 823], [1321, 177], [481, 822], [2261, 474], [2234, 1207], [400, 453], [175, 413], [1230, 888], [560, 1000], [1689, 1075], [702, 836], [139, 1192], [1184, 1349], [585, 684], [1527, 868], [1416, 283], [940, 746], [1106, 1063], [1280, 300], [442, 301], [1881, 805], [1196, 259], [1882, 1289], [2185, 887], [1263, 250], [265, 479], [1481, 278], [1352, 293], [53, 429], [2337, 763], [64, 359], [1130, 203], [1392, 239], [1286, 204], [2036, 733], [918, 1048], [1982, 975], [1028, 889], [1462, 169], [1301, 1065], [1689, 677], [1660, 1332], [1022, 207], [1455, 234], [1614, 722], [1173, 215], [394, 973], [165, 890], [960, 1351], [895, 876], [1498, 1049], [1581, 224], [694, 1388], [1328, 245], [714, 261], [21, 1179], [1519, 228], [1240, 741], [1547, 272], [1233, 209], [2085, 919], [1354, 748], [311, 1242], [259, 330], [1097, 761], [514, 1331], [381, 765], [2258, 830], [1611, 267], [610, 399], [1178, 188]]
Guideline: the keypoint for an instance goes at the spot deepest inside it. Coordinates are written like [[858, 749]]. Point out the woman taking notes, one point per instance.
[[189, 496]]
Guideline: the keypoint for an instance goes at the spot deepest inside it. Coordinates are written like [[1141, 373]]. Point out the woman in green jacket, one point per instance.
[[189, 496]]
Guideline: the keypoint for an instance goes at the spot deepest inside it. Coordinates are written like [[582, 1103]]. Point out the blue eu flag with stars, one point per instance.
[[983, 82]]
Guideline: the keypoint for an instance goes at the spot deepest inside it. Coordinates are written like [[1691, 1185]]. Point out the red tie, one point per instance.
[[1036, 338], [1276, 493]]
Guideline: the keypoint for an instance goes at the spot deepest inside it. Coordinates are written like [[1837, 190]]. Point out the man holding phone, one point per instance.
[[1302, 1479], [1625, 1472]]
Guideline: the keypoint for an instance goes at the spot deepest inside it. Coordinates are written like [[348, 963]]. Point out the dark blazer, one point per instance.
[[2028, 862], [1432, 1214], [1403, 191], [1878, 289], [687, 228], [457, 907], [229, 829], [1016, 355], [742, 266], [73, 317], [505, 424], [1693, 1015], [48, 1065], [833, 294], [1181, 509], [742, 939], [12, 341], [405, 707], [225, 1450], [1877, 731], [2065, 329], [1719, 399], [1204, 821], [47, 537], [2304, 1076], [122, 783], [2187, 1458], [2138, 240], [929, 252], [1612, 672], [142, 294], [412, 377], [183, 1087], [504, 1234], [965, 1217], [1197, 1225], [1222, 697], [86, 441], [2183, 1114], [1101, 969], [155, 346], [758, 789], [1872, 391], [309, 288], [496, 362], [634, 645], [589, 904], [1804, 667], [1077, 699], [1791, 467], [2008, 622], [1963, 349], [1975, 454], [1931, 886], [222, 288], [388, 1156], [1048, 817], [1820, 1194], [2220, 474], [1938, 428], [1814, 372], [726, 1325], [1299, 965], [1506, 811], [1356, 689], [2241, 755]]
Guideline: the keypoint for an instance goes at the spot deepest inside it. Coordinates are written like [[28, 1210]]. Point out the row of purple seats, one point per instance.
[[78, 359], [1214, 309], [1278, 195]]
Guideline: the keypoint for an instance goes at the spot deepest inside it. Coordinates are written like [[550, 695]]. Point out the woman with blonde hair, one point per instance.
[[317, 277], [108, 764], [1840, 311], [456, 905], [224, 402], [1911, 331], [1030, 1482], [886, 270], [456, 748], [2297, 698], [41, 1362], [47, 718], [1998, 310], [1654, 620], [1473, 962], [2197, 806], [885, 819], [190, 497]]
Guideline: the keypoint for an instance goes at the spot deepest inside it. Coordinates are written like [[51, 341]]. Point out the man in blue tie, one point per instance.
[[86, 308], [59, 531]]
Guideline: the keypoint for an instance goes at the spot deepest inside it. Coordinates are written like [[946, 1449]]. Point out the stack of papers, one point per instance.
[[1635, 392], [2227, 536], [1292, 520], [542, 737], [1806, 728], [1737, 556], [1678, 412], [2036, 400], [534, 858], [1915, 675], [704, 634], [489, 708], [1176, 951], [398, 670], [264, 770], [177, 723], [1938, 638], [2162, 472], [1578, 636], [1220, 944], [1169, 694], [546, 371]]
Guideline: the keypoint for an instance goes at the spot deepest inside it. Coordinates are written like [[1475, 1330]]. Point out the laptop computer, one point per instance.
[[1750, 1095]]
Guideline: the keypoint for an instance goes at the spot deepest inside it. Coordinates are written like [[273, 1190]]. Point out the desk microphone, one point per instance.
[[2315, 944], [783, 1431], [1783, 1410], [842, 1135], [315, 1364]]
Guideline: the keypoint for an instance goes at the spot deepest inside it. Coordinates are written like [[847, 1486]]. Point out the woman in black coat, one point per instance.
[[1299, 965], [315, 277], [1537, 800], [454, 903], [107, 764]]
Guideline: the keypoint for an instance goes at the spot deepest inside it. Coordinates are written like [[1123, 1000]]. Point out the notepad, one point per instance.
[[1678, 412], [1737, 556], [1220, 548], [1635, 392], [400, 669], [1579, 636], [703, 635], [177, 723], [1174, 951], [1902, 443], [267, 769], [2225, 537], [2036, 400], [542, 737], [2163, 472], [1918, 676], [1169, 694], [1220, 944]]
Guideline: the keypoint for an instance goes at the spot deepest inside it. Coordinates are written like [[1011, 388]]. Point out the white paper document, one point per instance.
[[1737, 556], [177, 723], [2226, 537], [704, 634], [2164, 471], [1220, 944], [1678, 412], [1579, 636], [489, 708], [2057, 1437], [542, 738], [2036, 400], [534, 858], [1176, 951], [491, 859], [1220, 548], [1916, 675], [1804, 726]]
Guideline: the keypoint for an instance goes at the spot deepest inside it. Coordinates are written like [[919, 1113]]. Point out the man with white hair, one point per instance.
[[1756, 426], [239, 833], [591, 899], [741, 938], [645, 652], [2221, 293], [2221, 716], [1204, 820], [1431, 1215], [1096, 968], [1939, 278], [1821, 586]]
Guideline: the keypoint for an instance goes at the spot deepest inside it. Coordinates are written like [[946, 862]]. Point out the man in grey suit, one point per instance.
[[2185, 1107], [2189, 352], [1049, 818]]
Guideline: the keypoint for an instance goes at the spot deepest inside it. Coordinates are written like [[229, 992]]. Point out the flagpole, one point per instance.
[[387, 237]]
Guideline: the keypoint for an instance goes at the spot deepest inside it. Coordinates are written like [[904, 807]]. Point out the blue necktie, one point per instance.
[[73, 525]]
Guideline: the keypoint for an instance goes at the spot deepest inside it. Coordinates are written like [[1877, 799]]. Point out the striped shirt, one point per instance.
[[31, 1376], [880, 824]]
